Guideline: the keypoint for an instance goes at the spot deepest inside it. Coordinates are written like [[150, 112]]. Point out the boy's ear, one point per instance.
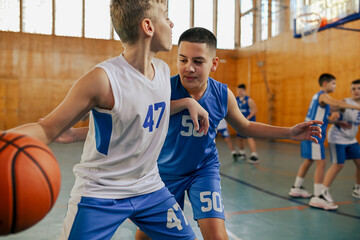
[[148, 27], [215, 64]]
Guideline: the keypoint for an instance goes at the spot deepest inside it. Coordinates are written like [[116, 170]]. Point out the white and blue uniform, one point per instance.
[[342, 141], [244, 106], [189, 161], [223, 129], [118, 176], [309, 149]]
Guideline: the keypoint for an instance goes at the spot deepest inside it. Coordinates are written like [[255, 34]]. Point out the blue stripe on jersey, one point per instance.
[[318, 112], [103, 130], [185, 150], [244, 107]]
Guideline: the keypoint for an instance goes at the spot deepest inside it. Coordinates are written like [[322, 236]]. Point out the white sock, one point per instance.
[[233, 152], [254, 154], [298, 182], [242, 151], [318, 187], [325, 189]]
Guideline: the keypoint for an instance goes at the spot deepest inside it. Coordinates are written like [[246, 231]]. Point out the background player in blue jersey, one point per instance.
[[343, 144], [189, 160], [129, 100], [319, 110], [248, 109]]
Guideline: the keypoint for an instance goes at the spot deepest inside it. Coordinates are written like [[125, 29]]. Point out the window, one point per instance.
[[203, 14], [226, 24], [246, 5], [68, 17], [97, 19], [276, 11], [246, 23], [264, 19], [179, 14], [247, 30], [37, 16], [10, 15]]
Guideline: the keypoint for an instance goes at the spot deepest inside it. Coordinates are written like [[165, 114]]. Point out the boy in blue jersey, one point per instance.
[[189, 160], [248, 109], [129, 100], [319, 110], [343, 144]]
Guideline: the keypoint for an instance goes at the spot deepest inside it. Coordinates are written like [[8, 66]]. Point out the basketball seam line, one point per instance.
[[22, 149]]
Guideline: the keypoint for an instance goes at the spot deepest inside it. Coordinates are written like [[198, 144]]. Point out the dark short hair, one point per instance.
[[242, 86], [199, 35], [326, 77], [356, 81]]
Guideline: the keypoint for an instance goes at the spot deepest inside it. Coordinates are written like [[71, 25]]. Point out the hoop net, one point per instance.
[[308, 25]]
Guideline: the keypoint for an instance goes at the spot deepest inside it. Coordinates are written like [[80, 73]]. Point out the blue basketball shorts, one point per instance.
[[157, 214], [204, 193], [341, 152], [311, 150], [224, 132]]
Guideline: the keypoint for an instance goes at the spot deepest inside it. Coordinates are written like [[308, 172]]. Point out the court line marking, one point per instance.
[[293, 174], [288, 198]]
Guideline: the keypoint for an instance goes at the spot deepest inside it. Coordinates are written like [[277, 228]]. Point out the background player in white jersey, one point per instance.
[[129, 100], [189, 161], [223, 130], [319, 110], [343, 143], [248, 109]]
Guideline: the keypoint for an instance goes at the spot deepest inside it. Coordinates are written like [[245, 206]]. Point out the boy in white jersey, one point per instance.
[[188, 160], [343, 143], [129, 100], [224, 132], [319, 110]]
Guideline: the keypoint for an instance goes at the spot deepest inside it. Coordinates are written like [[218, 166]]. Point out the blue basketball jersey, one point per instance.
[[318, 112], [185, 150], [244, 107]]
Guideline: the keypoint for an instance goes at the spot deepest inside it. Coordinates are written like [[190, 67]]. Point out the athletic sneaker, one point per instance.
[[321, 202], [356, 192], [253, 159], [299, 192], [241, 156], [235, 156]]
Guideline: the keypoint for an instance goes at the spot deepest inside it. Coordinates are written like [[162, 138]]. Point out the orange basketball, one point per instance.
[[29, 182]]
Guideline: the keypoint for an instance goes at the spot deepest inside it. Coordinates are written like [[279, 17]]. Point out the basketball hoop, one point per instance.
[[308, 25]]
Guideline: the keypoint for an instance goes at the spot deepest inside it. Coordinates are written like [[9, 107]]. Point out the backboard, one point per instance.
[[332, 13]]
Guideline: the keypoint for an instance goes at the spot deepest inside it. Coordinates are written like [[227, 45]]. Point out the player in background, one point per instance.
[[248, 109], [223, 130], [315, 152], [343, 146]]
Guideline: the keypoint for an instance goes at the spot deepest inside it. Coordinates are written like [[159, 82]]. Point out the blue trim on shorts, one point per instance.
[[341, 152]]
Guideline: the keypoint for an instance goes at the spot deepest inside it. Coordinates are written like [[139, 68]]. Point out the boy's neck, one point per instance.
[[140, 57]]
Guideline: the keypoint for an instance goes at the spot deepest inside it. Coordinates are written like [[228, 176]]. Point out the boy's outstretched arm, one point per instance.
[[89, 91], [197, 113], [299, 132], [325, 98]]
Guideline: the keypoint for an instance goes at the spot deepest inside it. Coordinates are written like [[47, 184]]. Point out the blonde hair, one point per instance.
[[126, 15]]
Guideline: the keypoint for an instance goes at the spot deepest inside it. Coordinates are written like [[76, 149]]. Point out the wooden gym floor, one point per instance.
[[255, 198]]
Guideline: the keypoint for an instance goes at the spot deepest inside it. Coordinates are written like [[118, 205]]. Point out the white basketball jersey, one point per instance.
[[222, 124], [122, 146], [340, 135]]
